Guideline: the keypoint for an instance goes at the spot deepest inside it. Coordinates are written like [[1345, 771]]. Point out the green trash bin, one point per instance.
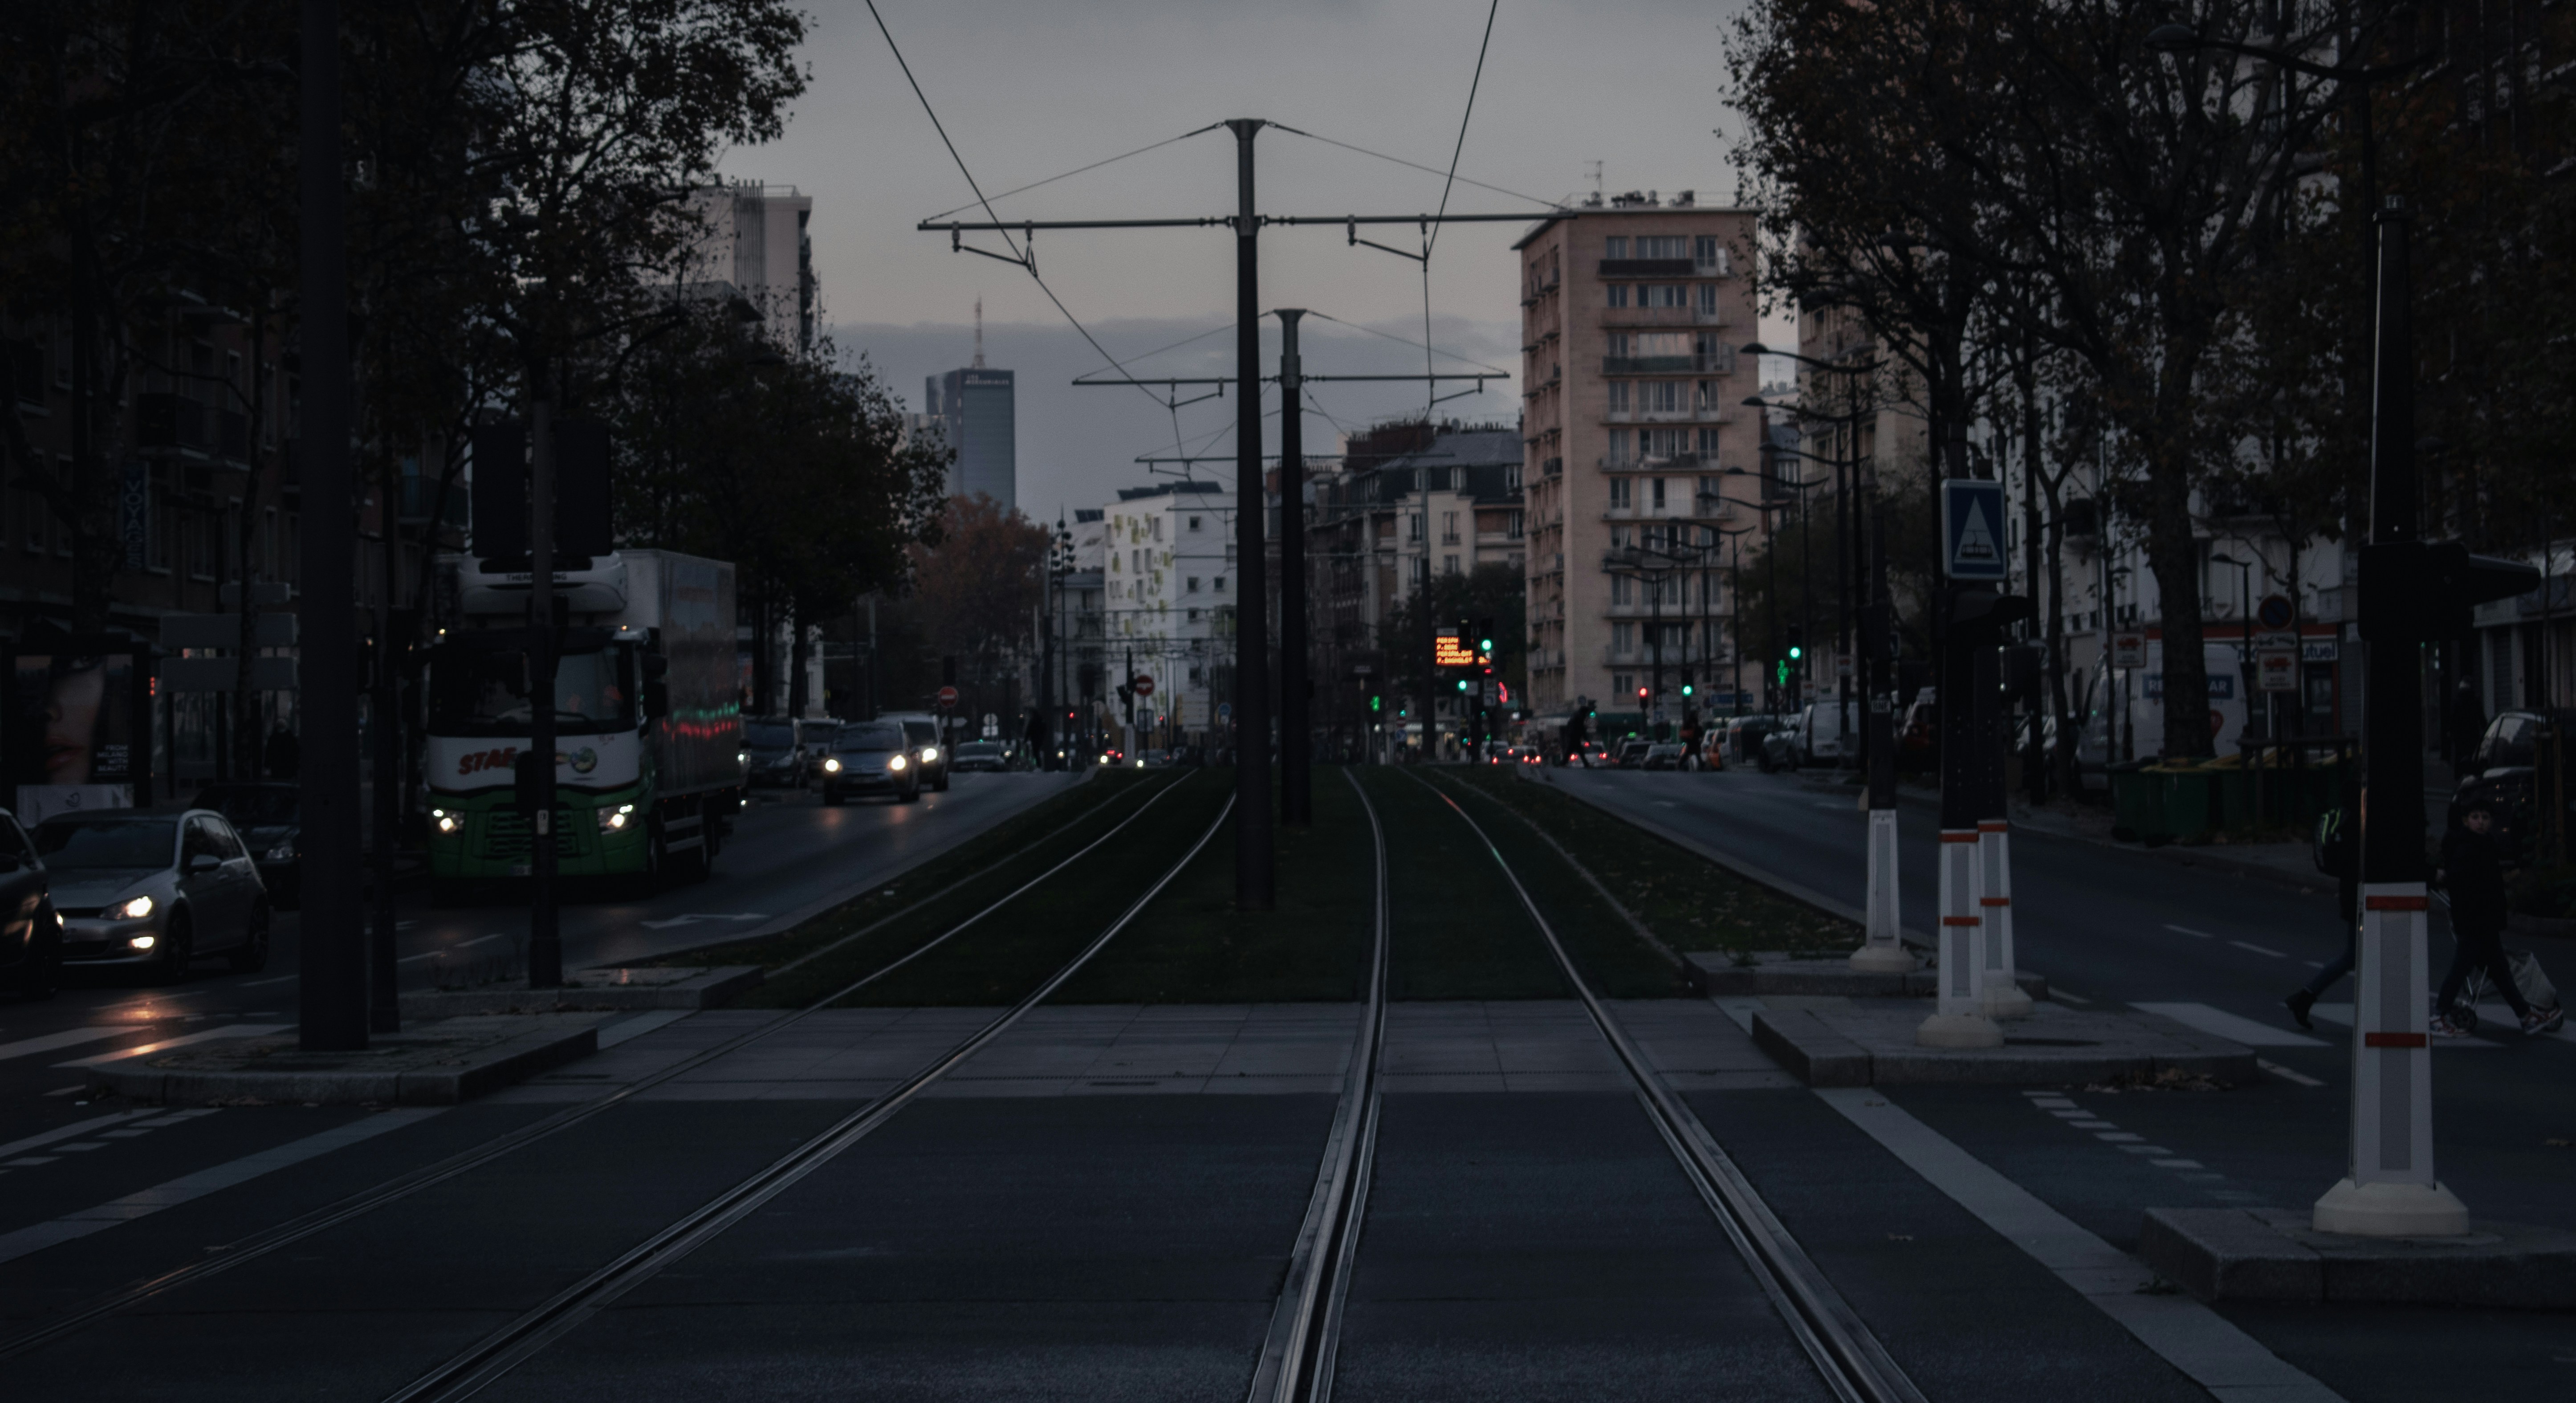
[[2137, 803]]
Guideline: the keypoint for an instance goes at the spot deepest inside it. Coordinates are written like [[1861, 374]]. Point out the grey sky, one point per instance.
[[1029, 90]]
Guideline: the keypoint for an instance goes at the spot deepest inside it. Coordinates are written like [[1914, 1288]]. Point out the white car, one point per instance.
[[154, 891]]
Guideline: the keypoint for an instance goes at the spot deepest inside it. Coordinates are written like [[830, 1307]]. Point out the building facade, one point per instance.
[[1631, 314], [756, 245], [1167, 556], [975, 408]]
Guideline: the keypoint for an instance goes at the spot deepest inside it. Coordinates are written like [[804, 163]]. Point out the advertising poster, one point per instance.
[[75, 734]]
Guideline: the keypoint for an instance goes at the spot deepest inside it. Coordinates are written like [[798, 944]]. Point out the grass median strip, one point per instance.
[[1689, 902], [1192, 946]]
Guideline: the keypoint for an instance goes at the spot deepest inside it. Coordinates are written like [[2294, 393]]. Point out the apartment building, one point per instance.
[[1632, 312], [1167, 556], [754, 245]]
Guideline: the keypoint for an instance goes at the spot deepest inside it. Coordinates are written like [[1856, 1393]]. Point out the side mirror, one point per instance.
[[657, 699], [199, 864], [656, 667]]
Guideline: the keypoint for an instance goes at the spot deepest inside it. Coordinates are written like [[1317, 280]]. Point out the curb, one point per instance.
[[473, 1074], [1811, 1047], [2271, 1254], [611, 989]]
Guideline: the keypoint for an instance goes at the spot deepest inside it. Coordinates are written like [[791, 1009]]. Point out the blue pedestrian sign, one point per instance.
[[1972, 529]]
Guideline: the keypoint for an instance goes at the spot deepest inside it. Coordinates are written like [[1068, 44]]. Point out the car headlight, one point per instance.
[[283, 852], [140, 942], [894, 762], [831, 767], [742, 758], [447, 822], [133, 910], [616, 820], [929, 753]]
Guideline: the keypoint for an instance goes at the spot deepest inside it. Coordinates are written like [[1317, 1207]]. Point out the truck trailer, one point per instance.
[[649, 763]]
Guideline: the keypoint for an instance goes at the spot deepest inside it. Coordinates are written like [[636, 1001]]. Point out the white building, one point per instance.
[[1167, 556], [755, 246]]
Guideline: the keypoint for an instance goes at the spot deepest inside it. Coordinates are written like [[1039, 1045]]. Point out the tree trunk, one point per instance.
[[799, 649], [2173, 555]]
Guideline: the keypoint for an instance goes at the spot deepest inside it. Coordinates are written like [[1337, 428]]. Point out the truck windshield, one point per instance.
[[473, 691]]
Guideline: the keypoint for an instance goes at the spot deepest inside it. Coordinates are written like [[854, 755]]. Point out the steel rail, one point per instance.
[[403, 1186], [1297, 1355], [486, 1361], [1851, 1360]]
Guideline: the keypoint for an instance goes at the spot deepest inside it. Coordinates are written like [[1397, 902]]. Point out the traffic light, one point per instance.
[[1641, 696], [1797, 642], [1376, 702], [1686, 689], [1781, 672]]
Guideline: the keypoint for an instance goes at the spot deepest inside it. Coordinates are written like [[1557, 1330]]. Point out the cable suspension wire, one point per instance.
[[1018, 256], [1417, 165], [1068, 175], [1406, 341], [1431, 235]]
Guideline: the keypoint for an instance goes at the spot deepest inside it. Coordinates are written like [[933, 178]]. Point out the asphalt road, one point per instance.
[[787, 852]]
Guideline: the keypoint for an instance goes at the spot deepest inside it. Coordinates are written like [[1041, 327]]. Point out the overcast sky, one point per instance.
[[1029, 90]]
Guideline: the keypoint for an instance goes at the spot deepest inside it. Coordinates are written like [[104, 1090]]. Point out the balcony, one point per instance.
[[1649, 268], [1666, 416], [1664, 316], [1721, 364], [1551, 467], [1669, 462]]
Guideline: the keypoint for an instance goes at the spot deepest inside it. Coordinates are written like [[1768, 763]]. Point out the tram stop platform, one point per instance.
[[2272, 1254], [1832, 1040], [437, 1063], [618, 989]]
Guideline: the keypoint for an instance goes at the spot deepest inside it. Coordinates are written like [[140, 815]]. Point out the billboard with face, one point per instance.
[[76, 730]]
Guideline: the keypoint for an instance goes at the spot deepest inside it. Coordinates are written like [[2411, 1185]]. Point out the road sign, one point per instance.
[[2277, 669], [947, 697], [1143, 686], [2129, 649], [992, 724], [1842, 665], [2276, 638], [2275, 612], [1224, 712], [1972, 529]]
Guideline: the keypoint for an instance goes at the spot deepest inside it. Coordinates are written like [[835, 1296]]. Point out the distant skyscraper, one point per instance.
[[975, 406]]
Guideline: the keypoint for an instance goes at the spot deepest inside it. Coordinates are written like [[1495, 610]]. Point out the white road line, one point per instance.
[[72, 1131], [257, 983], [231, 1030], [2257, 949], [144, 1202], [2233, 1027], [2285, 1074], [28, 1047], [2195, 934], [2231, 1364]]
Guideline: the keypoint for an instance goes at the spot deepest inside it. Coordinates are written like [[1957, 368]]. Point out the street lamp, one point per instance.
[[2245, 641], [1635, 561]]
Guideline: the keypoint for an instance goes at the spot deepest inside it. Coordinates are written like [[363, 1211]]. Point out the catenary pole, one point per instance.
[[545, 935], [1252, 832], [1296, 789], [331, 999]]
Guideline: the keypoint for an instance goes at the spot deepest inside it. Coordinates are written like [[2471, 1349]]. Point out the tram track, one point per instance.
[[412, 1183]]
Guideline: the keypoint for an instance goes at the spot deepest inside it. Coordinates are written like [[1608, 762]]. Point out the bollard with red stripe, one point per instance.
[[1959, 1014], [2003, 995]]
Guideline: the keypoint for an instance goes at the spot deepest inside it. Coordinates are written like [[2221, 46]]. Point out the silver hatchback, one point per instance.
[[154, 891]]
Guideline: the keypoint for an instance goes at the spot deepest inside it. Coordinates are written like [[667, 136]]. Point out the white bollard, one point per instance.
[[2003, 995], [1884, 952], [2391, 1191], [1959, 1015]]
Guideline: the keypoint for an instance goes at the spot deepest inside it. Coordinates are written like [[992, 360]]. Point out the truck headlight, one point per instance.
[[894, 762], [134, 910], [447, 822], [617, 819], [832, 767]]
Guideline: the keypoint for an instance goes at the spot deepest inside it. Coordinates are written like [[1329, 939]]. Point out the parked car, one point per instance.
[[871, 757], [154, 891], [1918, 737], [776, 746], [269, 817], [1817, 733], [1743, 738], [981, 756], [1588, 755], [1664, 755], [1779, 746], [31, 934], [1631, 754], [922, 730], [2504, 773]]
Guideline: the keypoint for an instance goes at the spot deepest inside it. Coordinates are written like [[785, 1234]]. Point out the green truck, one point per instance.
[[649, 764]]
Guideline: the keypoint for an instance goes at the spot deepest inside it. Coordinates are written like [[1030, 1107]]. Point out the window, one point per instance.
[[1448, 528], [1708, 444], [1194, 523], [1659, 494], [1194, 584], [1619, 400], [1620, 500], [1663, 295], [1623, 637], [1664, 246], [1624, 683], [1421, 570], [1623, 589], [1615, 246], [1704, 299], [1413, 526], [1449, 565], [1220, 583], [1619, 295], [1705, 397], [1660, 396], [1515, 524], [1706, 253]]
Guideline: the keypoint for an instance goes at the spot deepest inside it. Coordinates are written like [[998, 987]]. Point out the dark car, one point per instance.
[[31, 935], [922, 729], [269, 817], [980, 756], [1665, 755], [777, 750], [1632, 754], [871, 757]]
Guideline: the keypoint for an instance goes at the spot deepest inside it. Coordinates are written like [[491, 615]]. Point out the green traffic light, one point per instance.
[[1796, 652], [1462, 684], [1686, 689], [1784, 674], [1377, 704]]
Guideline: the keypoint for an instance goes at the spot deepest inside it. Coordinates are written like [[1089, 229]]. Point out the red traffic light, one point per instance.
[[1641, 694]]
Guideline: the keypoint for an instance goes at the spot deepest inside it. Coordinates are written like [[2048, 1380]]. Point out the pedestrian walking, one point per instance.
[[2343, 858], [2472, 874]]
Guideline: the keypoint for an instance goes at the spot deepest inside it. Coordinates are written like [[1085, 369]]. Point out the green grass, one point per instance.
[[1689, 902], [1005, 956], [1193, 946], [1460, 933], [1614, 961]]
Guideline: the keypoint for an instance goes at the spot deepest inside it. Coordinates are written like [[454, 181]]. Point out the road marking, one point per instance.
[[28, 1047], [73, 1131], [2231, 1364], [235, 1030], [2194, 934], [2257, 949], [2285, 1074], [188, 1187], [257, 983], [2233, 1027], [2065, 996]]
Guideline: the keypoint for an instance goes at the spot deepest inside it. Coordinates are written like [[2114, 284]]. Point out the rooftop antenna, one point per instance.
[[1596, 183], [979, 333]]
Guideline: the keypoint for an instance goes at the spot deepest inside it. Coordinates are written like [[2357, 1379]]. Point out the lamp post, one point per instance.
[[1850, 563], [1652, 568], [2245, 640]]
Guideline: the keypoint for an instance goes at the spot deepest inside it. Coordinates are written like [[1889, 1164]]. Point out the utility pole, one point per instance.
[[1254, 873], [1883, 950], [537, 774], [1296, 776], [331, 999]]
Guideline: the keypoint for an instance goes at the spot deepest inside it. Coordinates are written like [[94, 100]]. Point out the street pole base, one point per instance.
[[1959, 1030], [2391, 1210], [2003, 998], [1882, 958]]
